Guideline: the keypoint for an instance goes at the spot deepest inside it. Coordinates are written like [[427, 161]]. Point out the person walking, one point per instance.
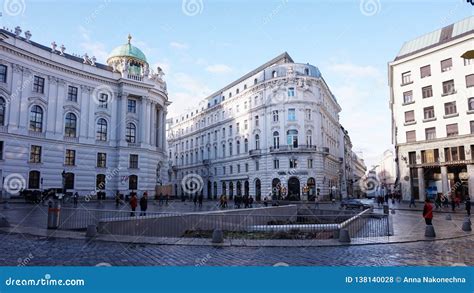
[[133, 204], [200, 199], [316, 201], [76, 199], [453, 203], [265, 201], [117, 199], [428, 212], [412, 201], [468, 206], [144, 204]]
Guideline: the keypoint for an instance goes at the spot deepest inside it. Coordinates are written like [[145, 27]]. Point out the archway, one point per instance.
[[224, 188], [239, 188], [209, 190], [293, 188], [258, 190], [246, 188], [215, 189], [276, 188], [231, 190]]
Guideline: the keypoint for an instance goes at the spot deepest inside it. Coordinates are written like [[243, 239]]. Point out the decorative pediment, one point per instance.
[[38, 100], [102, 113], [72, 108]]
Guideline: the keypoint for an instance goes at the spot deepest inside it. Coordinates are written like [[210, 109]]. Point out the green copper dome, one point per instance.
[[128, 50]]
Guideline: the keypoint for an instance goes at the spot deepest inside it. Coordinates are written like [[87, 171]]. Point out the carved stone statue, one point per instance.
[[28, 36], [62, 49], [53, 47], [17, 31], [93, 60], [85, 58]]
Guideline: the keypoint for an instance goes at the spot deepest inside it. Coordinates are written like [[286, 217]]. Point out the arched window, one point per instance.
[[2, 111], [306, 71], [100, 182], [224, 188], [36, 119], [133, 182], [276, 140], [255, 81], [230, 149], [309, 138], [223, 150], [274, 74], [231, 189], [246, 146], [34, 180], [257, 142], [131, 134], [70, 125], [101, 130], [292, 138], [69, 180], [238, 147]]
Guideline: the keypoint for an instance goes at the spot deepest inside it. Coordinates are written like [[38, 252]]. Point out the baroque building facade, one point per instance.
[[274, 132], [66, 120], [432, 102]]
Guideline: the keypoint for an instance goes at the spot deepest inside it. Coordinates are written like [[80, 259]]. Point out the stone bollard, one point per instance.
[[448, 217], [91, 231], [4, 222], [217, 236], [466, 225], [393, 211], [430, 231], [344, 236]]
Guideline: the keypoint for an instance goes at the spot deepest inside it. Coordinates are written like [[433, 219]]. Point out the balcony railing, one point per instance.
[[256, 152], [299, 148], [206, 162], [135, 77]]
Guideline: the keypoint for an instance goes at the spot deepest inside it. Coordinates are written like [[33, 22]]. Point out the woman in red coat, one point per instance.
[[428, 212], [133, 203]]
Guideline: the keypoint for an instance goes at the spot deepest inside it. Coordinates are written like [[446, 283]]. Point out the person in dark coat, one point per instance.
[[200, 199], [428, 212], [453, 203], [468, 206], [76, 199], [133, 203], [144, 204]]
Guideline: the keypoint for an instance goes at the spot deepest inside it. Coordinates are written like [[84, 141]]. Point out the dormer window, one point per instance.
[[306, 71], [274, 74], [255, 81]]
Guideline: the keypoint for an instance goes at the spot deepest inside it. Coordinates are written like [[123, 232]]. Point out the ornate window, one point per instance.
[[246, 145], [70, 125], [292, 138], [36, 119], [309, 138], [276, 140], [101, 130], [257, 142], [38, 84], [131, 134], [72, 94], [3, 73], [100, 182]]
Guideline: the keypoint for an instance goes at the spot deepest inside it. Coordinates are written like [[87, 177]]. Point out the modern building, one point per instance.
[[67, 119], [273, 132], [432, 102]]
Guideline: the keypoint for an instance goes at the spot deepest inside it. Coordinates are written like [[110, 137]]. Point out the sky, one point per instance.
[[203, 45]]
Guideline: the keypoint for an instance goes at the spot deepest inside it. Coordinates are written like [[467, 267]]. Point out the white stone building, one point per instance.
[[100, 126], [385, 169], [432, 102], [273, 132], [359, 170]]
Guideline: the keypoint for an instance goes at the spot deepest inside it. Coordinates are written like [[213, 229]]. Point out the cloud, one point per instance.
[[218, 68], [91, 47], [179, 46], [186, 92]]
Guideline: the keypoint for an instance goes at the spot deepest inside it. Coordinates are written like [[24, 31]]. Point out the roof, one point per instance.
[[128, 50], [45, 48], [438, 37]]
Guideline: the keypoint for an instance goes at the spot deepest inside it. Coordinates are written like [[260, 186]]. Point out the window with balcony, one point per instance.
[[430, 133], [454, 154], [452, 130], [429, 113], [70, 158], [309, 138], [446, 65], [425, 71], [72, 94], [411, 136], [450, 108], [406, 77], [427, 91], [257, 142], [276, 140], [409, 116], [448, 87], [292, 138], [407, 97]]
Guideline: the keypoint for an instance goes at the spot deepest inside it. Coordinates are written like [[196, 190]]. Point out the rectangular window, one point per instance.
[[450, 108], [448, 87], [238, 168], [412, 158], [257, 165], [411, 136], [429, 112], [275, 116], [133, 162], [310, 163], [293, 163], [246, 124], [38, 84], [3, 73], [452, 129], [291, 114], [70, 159], [430, 133], [307, 113], [1, 147], [470, 80], [231, 169], [276, 164], [72, 94], [429, 156], [230, 130], [427, 91], [132, 106], [101, 160], [425, 71], [406, 77], [468, 61], [35, 154], [446, 65], [246, 167], [291, 92], [223, 170], [409, 116], [237, 127], [408, 97]]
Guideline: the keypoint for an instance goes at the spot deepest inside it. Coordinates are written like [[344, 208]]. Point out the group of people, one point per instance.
[[428, 209], [246, 200], [197, 199], [134, 203]]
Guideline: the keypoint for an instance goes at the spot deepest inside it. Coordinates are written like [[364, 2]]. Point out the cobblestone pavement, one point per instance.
[[18, 249]]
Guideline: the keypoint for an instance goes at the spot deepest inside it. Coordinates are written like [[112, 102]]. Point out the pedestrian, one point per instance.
[[438, 201], [265, 201], [160, 199], [144, 204], [225, 202], [468, 206], [133, 203], [250, 201], [453, 203], [117, 199], [316, 202], [200, 199], [76, 199], [428, 212], [412, 201], [195, 199]]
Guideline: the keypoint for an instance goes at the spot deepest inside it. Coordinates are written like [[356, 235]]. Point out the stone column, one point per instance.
[[83, 99], [444, 180], [163, 130], [17, 87], [122, 118], [152, 124], [142, 132], [470, 171], [146, 128], [23, 94], [421, 183], [159, 127]]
